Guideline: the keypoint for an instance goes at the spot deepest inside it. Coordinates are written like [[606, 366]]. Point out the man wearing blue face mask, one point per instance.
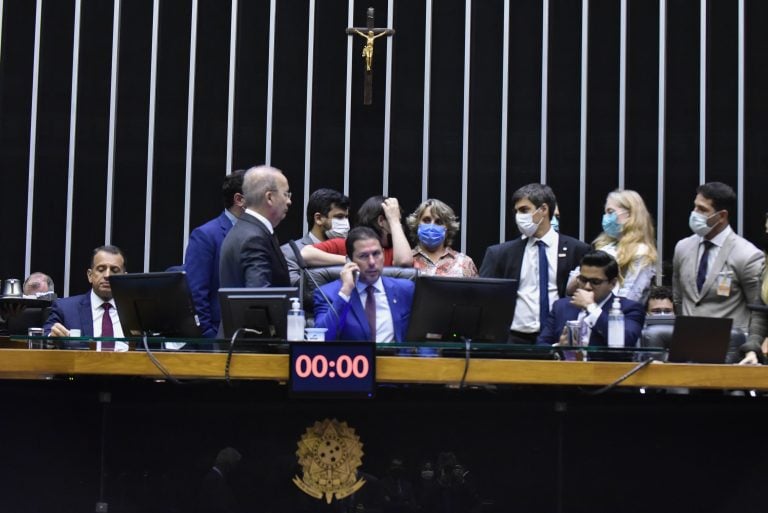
[[434, 225], [716, 273], [540, 261]]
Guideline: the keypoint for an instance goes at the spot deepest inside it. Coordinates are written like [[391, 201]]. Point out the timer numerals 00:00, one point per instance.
[[345, 366]]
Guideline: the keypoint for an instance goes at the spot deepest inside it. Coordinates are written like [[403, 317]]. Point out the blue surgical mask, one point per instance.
[[555, 223], [431, 235], [611, 225]]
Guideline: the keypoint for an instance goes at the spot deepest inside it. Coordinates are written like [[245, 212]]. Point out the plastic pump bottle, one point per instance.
[[616, 324], [296, 321]]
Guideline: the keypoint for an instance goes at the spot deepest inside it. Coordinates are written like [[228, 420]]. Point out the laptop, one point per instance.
[[700, 340]]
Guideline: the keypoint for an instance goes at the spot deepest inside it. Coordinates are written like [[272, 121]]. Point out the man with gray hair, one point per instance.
[[250, 253], [38, 283]]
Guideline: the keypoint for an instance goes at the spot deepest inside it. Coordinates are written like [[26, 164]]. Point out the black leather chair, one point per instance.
[[314, 277]]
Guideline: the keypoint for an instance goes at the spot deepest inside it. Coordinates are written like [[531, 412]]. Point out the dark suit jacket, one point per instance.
[[505, 260], [201, 263], [72, 312], [563, 310], [251, 257], [351, 323]]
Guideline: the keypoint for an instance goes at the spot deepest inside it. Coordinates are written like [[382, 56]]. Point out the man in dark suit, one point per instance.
[[369, 307], [93, 313], [250, 254], [590, 305], [541, 254], [201, 261]]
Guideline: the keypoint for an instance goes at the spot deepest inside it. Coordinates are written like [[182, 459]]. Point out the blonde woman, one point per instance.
[[628, 236], [433, 226]]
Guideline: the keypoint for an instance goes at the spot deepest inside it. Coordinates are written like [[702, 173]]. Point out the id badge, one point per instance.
[[724, 284]]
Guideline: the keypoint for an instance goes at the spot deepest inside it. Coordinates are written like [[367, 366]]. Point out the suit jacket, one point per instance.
[[293, 266], [201, 264], [251, 257], [505, 260], [351, 323], [739, 259], [72, 312], [563, 310]]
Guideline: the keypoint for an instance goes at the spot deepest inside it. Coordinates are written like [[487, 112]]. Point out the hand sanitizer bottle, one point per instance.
[[616, 325], [296, 321]]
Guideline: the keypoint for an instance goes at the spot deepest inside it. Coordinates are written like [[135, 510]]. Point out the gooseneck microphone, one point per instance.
[[303, 272]]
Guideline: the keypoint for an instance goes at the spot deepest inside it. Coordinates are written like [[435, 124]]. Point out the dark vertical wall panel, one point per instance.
[[290, 100], [564, 109], [170, 135], [405, 164], [682, 119], [49, 217], [641, 150], [524, 97], [756, 123], [603, 108], [484, 128], [251, 83], [132, 132]]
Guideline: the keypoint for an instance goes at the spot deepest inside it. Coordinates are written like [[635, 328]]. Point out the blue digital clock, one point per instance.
[[333, 369]]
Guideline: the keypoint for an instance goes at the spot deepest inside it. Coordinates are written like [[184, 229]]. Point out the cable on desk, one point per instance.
[[622, 378]]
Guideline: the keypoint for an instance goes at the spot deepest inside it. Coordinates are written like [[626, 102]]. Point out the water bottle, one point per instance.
[[616, 325], [296, 321]]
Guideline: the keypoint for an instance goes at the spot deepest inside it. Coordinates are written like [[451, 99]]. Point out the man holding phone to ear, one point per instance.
[[362, 304]]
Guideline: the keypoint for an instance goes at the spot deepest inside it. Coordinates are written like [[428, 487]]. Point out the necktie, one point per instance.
[[701, 275], [106, 328], [543, 284], [370, 310]]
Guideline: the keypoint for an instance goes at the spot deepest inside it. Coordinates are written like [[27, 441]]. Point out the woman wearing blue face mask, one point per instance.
[[433, 226], [628, 236]]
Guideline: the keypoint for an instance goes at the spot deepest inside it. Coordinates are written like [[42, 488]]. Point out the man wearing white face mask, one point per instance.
[[716, 273], [327, 218], [542, 255]]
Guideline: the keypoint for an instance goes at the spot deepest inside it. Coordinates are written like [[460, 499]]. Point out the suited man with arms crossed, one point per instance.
[[590, 305], [520, 260], [93, 313], [250, 253], [716, 273], [369, 307]]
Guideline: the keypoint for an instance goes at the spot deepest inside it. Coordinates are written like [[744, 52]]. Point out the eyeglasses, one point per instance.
[[287, 194], [595, 282]]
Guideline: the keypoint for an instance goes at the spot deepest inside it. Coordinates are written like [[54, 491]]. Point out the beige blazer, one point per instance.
[[738, 259]]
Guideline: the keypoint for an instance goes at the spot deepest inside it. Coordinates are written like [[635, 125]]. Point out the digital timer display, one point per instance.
[[333, 368]]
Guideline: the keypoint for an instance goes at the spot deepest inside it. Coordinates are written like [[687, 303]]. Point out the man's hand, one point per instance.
[[750, 359], [348, 276], [582, 298], [58, 330]]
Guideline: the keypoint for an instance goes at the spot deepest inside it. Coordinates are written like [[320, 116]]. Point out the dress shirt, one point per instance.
[[230, 216], [589, 319], [717, 243], [261, 218], [527, 308], [97, 312], [385, 330]]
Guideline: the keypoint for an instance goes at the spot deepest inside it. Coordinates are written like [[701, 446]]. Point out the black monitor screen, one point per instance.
[[264, 310], [454, 309], [156, 304]]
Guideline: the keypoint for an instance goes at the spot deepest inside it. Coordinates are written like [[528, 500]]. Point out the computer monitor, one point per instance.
[[264, 310], [455, 309], [155, 304]]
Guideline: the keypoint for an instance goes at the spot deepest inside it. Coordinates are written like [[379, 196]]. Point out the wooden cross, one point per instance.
[[370, 33]]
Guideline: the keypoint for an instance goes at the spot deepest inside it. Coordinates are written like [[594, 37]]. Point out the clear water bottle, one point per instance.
[[296, 321], [616, 325]]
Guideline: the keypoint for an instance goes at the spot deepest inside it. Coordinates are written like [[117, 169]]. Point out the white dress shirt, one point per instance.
[[261, 218], [527, 307], [97, 312]]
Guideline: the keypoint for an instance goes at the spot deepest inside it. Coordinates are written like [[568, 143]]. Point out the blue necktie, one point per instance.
[[701, 275], [543, 284]]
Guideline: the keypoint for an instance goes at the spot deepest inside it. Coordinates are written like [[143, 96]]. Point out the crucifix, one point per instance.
[[370, 33]]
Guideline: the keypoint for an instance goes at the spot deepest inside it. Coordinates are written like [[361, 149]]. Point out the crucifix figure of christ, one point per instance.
[[370, 33]]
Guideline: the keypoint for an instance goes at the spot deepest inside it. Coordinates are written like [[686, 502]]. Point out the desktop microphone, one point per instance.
[[303, 271]]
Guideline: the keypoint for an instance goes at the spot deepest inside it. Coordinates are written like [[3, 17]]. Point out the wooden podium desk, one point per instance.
[[41, 364]]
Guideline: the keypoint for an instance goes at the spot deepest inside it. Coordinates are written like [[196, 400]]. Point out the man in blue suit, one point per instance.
[[201, 261], [87, 312], [590, 305], [369, 307]]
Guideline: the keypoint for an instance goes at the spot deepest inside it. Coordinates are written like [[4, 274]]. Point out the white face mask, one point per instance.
[[525, 223], [339, 228], [698, 223]]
